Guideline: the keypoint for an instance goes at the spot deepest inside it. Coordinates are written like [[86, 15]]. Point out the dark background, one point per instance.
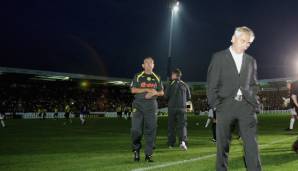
[[111, 37]]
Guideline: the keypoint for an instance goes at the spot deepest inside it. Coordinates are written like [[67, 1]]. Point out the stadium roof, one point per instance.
[[51, 76]]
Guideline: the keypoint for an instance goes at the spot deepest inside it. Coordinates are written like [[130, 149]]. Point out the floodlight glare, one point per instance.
[[176, 7]]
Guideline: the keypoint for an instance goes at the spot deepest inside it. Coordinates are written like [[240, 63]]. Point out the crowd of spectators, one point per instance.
[[36, 95]]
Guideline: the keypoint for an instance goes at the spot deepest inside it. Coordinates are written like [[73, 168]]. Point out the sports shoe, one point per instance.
[[148, 158], [136, 154], [183, 146]]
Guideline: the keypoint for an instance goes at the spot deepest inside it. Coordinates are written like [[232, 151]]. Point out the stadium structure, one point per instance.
[[271, 93]]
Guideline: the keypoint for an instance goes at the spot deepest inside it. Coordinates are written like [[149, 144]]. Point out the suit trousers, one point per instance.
[[228, 112]]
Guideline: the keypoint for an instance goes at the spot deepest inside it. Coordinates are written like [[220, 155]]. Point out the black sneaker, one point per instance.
[[136, 157], [148, 158]]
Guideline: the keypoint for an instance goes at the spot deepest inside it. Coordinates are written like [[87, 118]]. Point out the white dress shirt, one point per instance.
[[238, 58]]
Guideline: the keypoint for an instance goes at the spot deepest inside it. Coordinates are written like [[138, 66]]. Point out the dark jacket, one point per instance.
[[223, 80], [177, 93]]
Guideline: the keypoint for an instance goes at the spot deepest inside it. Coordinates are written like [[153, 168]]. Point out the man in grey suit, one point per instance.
[[232, 89]]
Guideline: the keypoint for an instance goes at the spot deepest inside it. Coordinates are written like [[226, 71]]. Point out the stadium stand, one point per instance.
[[34, 91]]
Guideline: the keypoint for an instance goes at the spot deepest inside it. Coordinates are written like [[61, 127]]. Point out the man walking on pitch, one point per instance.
[[146, 87], [177, 94], [232, 90]]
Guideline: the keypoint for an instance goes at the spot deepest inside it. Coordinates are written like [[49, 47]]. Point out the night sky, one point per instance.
[[111, 37]]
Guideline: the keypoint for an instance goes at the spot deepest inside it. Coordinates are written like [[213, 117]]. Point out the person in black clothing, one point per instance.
[[232, 89], [178, 94], [146, 87], [212, 118]]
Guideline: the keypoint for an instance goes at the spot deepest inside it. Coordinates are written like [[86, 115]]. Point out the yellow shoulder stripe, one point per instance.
[[138, 76], [156, 76], [172, 82]]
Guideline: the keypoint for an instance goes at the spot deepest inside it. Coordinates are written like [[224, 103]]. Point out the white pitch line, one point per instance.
[[198, 158], [175, 163], [274, 142]]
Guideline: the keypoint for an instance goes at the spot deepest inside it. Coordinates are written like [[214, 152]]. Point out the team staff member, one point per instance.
[[178, 94], [232, 90], [146, 87]]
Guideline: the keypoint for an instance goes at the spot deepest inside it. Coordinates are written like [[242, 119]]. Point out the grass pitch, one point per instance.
[[104, 144]]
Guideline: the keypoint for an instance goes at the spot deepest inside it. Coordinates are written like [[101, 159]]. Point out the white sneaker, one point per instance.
[[183, 146]]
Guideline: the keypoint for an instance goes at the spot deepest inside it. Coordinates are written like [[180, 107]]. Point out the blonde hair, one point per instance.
[[239, 30]]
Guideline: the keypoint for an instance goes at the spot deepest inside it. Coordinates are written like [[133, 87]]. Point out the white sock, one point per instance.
[[292, 121], [2, 123]]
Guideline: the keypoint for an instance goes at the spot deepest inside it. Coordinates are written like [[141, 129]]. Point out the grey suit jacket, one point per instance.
[[223, 80]]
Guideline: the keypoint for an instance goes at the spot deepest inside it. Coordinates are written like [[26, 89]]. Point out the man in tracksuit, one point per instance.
[[178, 94], [146, 86]]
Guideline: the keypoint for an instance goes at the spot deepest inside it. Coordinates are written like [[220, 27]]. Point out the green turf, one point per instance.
[[104, 144]]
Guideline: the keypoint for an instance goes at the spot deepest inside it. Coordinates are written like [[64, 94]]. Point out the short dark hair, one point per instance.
[[178, 72], [148, 58]]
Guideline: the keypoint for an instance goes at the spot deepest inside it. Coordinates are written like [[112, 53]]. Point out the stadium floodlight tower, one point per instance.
[[174, 11]]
